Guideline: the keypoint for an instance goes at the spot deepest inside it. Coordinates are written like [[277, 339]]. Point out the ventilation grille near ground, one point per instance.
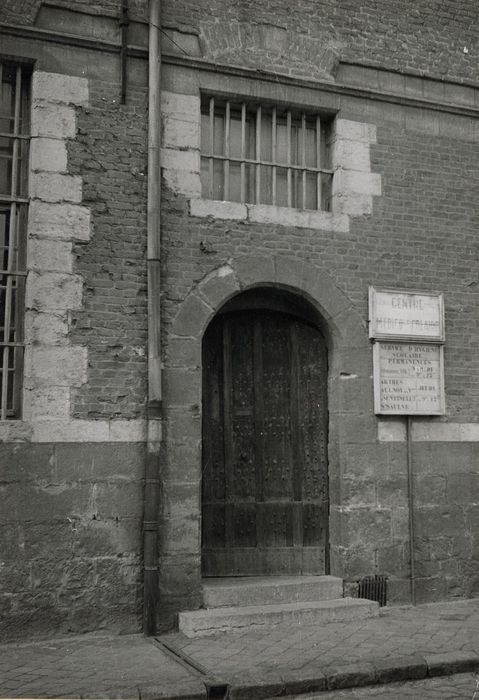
[[374, 588]]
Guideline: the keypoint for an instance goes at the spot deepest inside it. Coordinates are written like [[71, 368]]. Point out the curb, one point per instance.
[[372, 672]]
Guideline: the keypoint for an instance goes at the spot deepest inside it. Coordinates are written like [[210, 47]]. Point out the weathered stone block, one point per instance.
[[393, 560], [357, 492], [351, 155], [182, 387], [253, 270], [192, 317], [348, 182], [219, 286], [183, 461], [183, 352], [180, 534], [183, 427], [57, 87], [430, 589], [46, 328], [48, 155], [289, 271], [430, 489], [439, 520], [463, 488], [92, 463], [361, 524], [182, 182], [56, 187], [356, 131], [53, 291], [319, 286], [47, 403], [71, 431], [55, 366], [127, 430], [180, 133], [50, 256], [184, 107], [287, 216], [352, 204], [217, 209], [68, 222], [174, 159], [55, 121]]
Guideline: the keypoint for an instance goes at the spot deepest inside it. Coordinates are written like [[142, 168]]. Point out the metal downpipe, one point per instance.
[[152, 484]]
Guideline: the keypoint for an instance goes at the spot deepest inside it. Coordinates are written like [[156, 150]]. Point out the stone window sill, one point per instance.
[[269, 214]]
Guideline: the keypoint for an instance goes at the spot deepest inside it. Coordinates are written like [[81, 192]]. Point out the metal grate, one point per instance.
[[260, 154], [14, 148], [374, 588]]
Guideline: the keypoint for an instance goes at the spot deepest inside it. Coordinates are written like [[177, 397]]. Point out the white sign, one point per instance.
[[406, 315], [408, 379]]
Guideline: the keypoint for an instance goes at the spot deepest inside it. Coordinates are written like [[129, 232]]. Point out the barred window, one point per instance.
[[14, 146], [260, 154]]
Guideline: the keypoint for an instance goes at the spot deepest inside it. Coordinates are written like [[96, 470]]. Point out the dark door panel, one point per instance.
[[265, 505]]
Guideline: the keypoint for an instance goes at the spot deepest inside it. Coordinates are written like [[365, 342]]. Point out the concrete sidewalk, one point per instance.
[[402, 643]]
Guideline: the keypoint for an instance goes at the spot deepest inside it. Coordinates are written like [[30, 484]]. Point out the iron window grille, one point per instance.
[[259, 154], [14, 151]]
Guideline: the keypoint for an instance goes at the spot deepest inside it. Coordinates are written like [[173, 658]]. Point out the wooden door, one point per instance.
[[265, 489]]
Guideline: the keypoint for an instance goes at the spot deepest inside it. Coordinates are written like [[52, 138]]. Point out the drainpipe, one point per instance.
[[152, 483]]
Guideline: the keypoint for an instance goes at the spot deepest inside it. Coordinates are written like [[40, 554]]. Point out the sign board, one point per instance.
[[406, 315], [408, 379]]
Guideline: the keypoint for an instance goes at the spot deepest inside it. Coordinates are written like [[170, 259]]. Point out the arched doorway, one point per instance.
[[265, 479]]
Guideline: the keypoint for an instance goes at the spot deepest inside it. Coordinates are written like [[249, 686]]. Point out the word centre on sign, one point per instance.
[[406, 315]]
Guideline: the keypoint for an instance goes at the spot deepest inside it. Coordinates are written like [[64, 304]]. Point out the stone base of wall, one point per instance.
[[70, 538]]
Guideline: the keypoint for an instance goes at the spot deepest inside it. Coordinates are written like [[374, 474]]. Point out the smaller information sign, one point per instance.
[[408, 379], [406, 315]]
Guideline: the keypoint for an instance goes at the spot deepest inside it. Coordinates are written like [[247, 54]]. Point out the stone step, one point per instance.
[[269, 590], [199, 623]]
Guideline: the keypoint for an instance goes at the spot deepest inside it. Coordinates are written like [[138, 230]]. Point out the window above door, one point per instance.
[[265, 154]]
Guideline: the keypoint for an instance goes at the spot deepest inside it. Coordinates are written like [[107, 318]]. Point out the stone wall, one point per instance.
[[70, 538]]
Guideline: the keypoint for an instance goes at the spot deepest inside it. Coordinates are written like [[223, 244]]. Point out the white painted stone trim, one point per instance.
[[424, 430]]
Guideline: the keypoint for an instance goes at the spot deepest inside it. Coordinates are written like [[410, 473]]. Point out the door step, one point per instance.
[[198, 623], [269, 590]]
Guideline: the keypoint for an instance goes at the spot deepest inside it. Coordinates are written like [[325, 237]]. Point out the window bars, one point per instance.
[[264, 155], [14, 147]]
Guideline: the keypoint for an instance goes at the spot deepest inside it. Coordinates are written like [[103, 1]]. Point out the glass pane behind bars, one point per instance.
[[279, 149], [14, 146]]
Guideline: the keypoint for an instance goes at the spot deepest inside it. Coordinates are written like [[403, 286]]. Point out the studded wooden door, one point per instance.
[[265, 489]]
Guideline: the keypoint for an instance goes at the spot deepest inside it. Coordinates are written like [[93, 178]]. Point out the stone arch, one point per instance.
[[246, 271], [349, 384]]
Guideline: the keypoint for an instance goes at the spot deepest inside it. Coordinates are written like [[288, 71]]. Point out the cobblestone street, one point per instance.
[[403, 643]]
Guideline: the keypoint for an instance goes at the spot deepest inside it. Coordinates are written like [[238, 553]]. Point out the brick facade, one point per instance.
[[404, 87]]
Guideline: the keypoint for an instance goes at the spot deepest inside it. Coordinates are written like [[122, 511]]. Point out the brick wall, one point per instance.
[[110, 153], [427, 36]]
